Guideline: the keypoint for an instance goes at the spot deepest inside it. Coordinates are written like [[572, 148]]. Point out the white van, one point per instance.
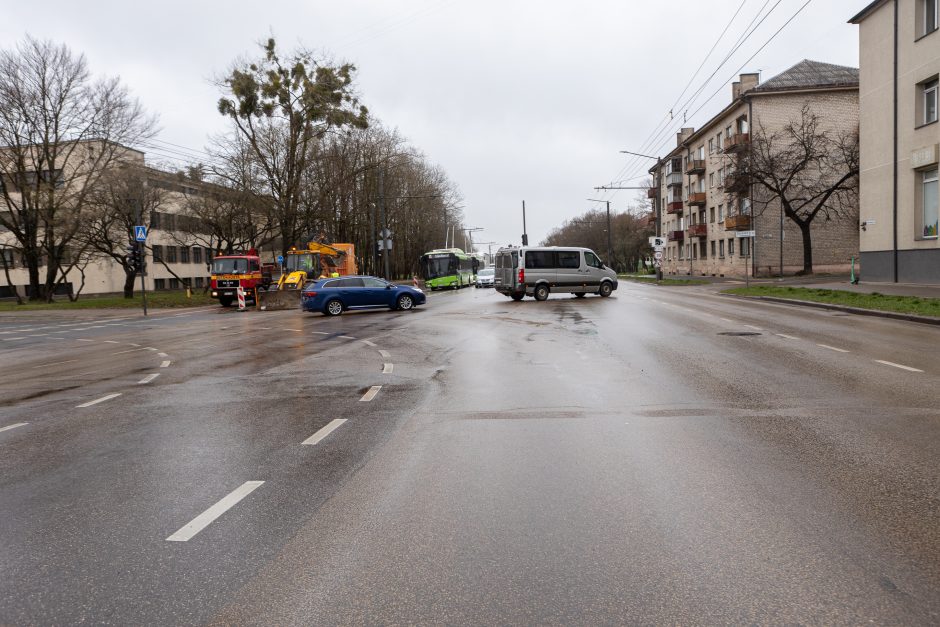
[[540, 271]]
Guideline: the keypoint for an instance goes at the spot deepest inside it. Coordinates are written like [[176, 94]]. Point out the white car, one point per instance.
[[486, 277]]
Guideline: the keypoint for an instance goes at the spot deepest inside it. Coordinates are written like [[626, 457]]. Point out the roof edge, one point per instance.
[[867, 11]]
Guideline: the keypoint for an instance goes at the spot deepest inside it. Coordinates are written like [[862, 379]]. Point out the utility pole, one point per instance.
[[610, 259], [385, 241], [525, 233]]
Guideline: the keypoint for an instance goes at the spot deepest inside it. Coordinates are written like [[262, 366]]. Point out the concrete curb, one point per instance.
[[894, 315]]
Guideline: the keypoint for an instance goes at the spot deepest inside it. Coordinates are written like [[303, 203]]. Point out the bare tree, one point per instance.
[[122, 199], [280, 109], [810, 171], [61, 131]]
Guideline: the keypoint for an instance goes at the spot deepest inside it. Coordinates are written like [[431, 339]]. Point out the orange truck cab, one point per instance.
[[229, 272]]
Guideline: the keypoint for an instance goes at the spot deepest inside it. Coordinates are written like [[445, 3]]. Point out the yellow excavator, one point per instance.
[[308, 264]]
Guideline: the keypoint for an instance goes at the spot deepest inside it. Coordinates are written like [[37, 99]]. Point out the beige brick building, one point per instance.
[[899, 47], [165, 240], [703, 222]]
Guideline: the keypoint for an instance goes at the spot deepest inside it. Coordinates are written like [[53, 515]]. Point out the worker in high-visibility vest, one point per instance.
[[334, 275]]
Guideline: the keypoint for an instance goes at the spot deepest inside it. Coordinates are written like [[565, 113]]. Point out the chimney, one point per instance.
[[683, 135], [746, 83]]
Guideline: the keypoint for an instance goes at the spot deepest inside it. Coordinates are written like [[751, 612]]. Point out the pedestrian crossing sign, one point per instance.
[[140, 233]]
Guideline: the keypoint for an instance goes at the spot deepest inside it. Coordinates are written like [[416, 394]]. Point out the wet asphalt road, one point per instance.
[[593, 461]]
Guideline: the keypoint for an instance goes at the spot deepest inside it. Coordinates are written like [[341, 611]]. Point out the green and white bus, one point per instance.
[[448, 268]]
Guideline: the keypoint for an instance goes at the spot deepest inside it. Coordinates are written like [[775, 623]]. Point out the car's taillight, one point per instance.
[[521, 275], [309, 294]]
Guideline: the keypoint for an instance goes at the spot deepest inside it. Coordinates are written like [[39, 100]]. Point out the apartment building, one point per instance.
[[714, 231], [899, 58], [168, 241]]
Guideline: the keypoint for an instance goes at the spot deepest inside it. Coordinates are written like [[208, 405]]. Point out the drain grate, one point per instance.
[[739, 333]]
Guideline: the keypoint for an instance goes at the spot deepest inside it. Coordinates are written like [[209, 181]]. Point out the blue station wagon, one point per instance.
[[335, 295]]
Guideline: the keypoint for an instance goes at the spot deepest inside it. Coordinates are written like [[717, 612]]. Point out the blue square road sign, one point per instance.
[[140, 233]]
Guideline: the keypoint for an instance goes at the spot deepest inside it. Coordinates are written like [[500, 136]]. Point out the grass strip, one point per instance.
[[664, 281], [875, 301], [155, 300]]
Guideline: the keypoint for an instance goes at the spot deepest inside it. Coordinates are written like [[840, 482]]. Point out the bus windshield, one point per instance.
[[230, 265], [439, 266]]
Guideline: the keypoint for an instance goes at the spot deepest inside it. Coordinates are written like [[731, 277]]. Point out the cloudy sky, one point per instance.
[[514, 99]]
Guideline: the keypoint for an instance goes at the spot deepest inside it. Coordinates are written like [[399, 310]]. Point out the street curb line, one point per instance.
[[894, 315]]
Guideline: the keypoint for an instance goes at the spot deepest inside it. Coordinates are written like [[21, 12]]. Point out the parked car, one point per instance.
[[333, 296], [486, 277], [540, 271]]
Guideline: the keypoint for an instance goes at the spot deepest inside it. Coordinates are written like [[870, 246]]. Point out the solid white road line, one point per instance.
[[368, 343], [203, 520], [368, 396], [902, 367], [165, 364], [162, 355], [833, 348], [149, 378], [346, 337], [14, 426], [132, 350], [82, 339], [111, 342], [325, 431], [784, 335], [385, 354], [56, 363], [388, 368], [100, 400], [10, 339], [320, 333], [726, 319]]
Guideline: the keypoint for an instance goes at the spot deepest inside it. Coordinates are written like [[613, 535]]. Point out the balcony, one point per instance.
[[676, 236], [737, 142], [674, 178], [738, 223], [698, 230], [698, 199], [652, 192], [676, 207], [736, 183], [696, 166], [651, 219]]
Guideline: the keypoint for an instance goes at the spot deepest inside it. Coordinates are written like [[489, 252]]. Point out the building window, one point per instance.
[[208, 255], [711, 179], [197, 254], [157, 253], [171, 254], [718, 141], [198, 278], [731, 247], [745, 246], [931, 204], [721, 213], [711, 146], [721, 248], [184, 254], [7, 260], [159, 284], [711, 215], [174, 284], [930, 101], [714, 246], [928, 8]]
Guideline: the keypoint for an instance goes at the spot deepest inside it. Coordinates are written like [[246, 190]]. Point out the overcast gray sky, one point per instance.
[[514, 99]]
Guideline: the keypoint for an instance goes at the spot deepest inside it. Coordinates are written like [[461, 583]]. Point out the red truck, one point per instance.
[[244, 270]]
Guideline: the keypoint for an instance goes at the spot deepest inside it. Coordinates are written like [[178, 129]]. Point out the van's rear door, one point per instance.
[[505, 274]]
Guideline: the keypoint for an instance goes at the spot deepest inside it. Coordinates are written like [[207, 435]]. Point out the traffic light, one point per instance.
[[134, 258], [525, 239]]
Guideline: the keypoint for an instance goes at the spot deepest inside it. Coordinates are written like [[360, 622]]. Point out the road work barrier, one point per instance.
[[278, 299]]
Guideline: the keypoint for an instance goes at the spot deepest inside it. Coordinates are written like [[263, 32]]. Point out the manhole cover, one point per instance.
[[739, 333]]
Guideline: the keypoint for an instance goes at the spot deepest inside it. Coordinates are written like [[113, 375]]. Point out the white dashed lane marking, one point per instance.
[[784, 335], [387, 369], [346, 337], [325, 431], [98, 400], [901, 366], [132, 350], [165, 364], [385, 354], [368, 343], [204, 519], [56, 363], [832, 348], [368, 396], [149, 378], [14, 426]]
